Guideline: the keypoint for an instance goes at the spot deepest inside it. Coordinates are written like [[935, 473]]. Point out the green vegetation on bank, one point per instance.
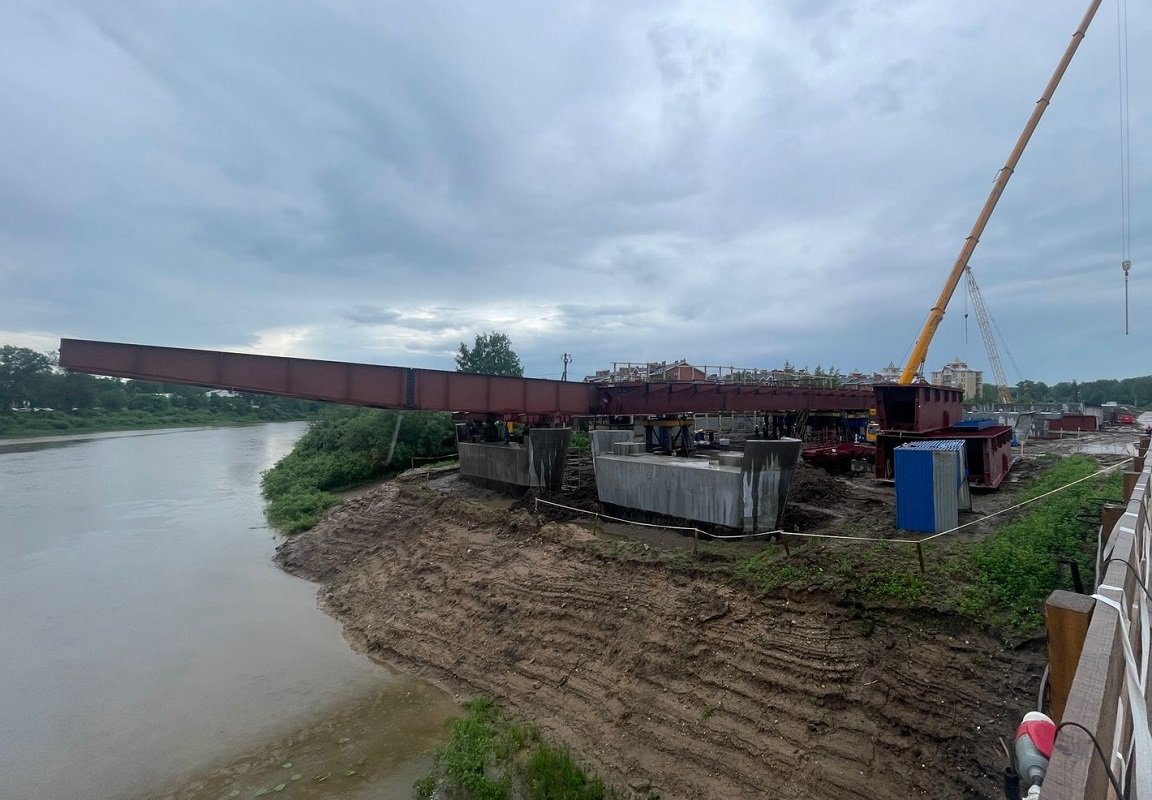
[[1001, 580], [491, 758], [1012, 572], [344, 448]]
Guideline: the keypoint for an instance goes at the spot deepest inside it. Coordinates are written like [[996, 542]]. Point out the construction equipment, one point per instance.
[[915, 365], [1002, 390]]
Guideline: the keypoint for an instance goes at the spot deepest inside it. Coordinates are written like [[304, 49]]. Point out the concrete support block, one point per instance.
[[746, 494], [766, 475], [537, 464], [603, 441]]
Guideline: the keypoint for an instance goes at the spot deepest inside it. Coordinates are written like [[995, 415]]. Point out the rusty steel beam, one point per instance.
[[438, 390], [686, 397], [330, 381]]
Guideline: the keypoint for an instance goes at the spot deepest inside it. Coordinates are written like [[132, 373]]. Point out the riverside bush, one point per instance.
[[344, 448]]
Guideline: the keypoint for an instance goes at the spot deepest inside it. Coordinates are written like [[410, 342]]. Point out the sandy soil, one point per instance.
[[672, 682]]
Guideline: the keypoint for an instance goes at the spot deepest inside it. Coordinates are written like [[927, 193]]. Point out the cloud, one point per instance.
[[652, 181]]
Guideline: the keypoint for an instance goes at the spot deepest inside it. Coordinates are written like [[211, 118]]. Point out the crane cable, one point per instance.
[[1125, 150]]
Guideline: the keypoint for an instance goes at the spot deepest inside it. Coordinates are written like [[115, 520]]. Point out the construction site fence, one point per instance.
[[1103, 744], [418, 460]]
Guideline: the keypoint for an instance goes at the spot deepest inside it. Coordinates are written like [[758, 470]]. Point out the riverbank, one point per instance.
[[661, 679], [744, 672]]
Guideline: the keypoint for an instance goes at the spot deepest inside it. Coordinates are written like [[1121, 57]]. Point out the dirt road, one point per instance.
[[663, 679]]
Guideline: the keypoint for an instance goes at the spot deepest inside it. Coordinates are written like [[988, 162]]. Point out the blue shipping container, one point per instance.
[[931, 484]]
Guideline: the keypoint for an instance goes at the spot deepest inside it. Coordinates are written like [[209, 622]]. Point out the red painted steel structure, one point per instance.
[[438, 390], [988, 452], [703, 397]]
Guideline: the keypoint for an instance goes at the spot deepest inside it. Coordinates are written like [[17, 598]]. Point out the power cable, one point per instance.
[[1132, 569], [1100, 752]]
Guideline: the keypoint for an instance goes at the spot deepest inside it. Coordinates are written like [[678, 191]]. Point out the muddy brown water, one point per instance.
[[149, 647]]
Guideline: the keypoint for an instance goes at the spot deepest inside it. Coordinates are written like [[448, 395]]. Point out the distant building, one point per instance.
[[677, 371], [890, 373], [957, 374], [653, 371]]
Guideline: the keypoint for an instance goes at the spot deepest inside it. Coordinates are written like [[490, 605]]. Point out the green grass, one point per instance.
[[771, 570], [491, 758], [1014, 570], [550, 774]]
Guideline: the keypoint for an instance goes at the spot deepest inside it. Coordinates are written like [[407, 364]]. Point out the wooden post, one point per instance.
[[1138, 464], [1110, 514], [1130, 484], [1142, 444], [920, 555], [1067, 615]]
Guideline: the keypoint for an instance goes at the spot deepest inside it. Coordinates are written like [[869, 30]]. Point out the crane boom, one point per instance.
[[985, 323], [919, 353]]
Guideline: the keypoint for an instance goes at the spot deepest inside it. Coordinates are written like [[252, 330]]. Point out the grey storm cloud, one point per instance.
[[648, 181]]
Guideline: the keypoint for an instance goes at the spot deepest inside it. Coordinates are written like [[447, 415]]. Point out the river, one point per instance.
[[149, 646]]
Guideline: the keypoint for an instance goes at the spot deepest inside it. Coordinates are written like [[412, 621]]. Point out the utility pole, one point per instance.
[[567, 361]]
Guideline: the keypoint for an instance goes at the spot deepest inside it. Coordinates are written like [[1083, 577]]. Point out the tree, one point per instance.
[[112, 398], [22, 375], [492, 354]]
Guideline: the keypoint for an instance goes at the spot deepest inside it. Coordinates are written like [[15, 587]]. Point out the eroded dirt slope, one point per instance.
[[666, 679]]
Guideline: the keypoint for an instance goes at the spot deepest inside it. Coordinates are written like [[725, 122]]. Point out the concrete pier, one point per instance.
[[538, 463], [745, 491]]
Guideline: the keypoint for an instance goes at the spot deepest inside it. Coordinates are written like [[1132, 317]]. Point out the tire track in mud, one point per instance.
[[659, 678]]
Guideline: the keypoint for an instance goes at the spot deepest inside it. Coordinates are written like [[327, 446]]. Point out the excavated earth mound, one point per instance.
[[665, 681]]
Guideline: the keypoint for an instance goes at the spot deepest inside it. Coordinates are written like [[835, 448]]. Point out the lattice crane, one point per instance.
[[1002, 388]]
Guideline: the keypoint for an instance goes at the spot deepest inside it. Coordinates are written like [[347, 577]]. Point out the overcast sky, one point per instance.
[[731, 183]]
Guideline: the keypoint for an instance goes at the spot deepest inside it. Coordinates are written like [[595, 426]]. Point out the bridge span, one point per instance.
[[440, 390]]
